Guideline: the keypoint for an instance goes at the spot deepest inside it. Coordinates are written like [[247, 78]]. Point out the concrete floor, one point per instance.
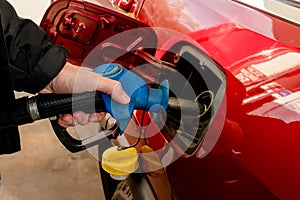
[[44, 169]]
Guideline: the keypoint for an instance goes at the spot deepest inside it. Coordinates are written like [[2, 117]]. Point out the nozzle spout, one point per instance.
[[186, 105]]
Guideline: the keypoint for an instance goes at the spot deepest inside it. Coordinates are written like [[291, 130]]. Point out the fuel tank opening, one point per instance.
[[187, 120], [196, 89]]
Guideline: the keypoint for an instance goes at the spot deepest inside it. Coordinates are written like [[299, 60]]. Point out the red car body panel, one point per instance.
[[256, 156], [238, 38]]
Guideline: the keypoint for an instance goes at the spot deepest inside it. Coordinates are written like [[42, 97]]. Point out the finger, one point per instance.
[[86, 80], [74, 79], [81, 118], [66, 121], [114, 88], [96, 117]]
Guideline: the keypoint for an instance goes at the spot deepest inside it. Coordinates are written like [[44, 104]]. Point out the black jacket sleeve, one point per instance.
[[33, 59]]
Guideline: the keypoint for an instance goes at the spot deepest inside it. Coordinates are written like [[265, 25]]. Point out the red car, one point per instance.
[[238, 59]]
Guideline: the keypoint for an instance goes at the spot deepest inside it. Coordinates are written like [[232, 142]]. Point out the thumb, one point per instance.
[[113, 88]]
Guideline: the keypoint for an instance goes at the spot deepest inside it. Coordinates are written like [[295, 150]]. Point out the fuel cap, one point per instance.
[[120, 163]]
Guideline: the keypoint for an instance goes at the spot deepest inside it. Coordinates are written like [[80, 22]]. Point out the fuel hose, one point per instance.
[[29, 109]]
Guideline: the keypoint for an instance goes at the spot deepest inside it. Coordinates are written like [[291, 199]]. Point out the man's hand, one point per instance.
[[75, 79]]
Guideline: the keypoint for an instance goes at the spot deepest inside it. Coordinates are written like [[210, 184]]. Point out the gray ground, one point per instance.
[[44, 169]]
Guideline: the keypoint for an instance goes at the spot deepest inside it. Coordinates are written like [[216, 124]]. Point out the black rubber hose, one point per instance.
[[28, 109], [50, 105]]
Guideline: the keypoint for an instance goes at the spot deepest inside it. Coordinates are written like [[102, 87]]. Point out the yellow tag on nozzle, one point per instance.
[[120, 162]]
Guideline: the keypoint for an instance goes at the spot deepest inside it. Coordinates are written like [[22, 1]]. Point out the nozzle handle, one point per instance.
[[50, 105], [41, 106], [29, 109], [88, 102]]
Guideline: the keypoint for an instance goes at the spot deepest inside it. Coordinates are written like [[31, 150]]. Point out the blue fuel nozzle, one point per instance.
[[142, 97]]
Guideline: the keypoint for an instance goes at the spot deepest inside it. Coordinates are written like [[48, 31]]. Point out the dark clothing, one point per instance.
[[9, 136], [33, 61]]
